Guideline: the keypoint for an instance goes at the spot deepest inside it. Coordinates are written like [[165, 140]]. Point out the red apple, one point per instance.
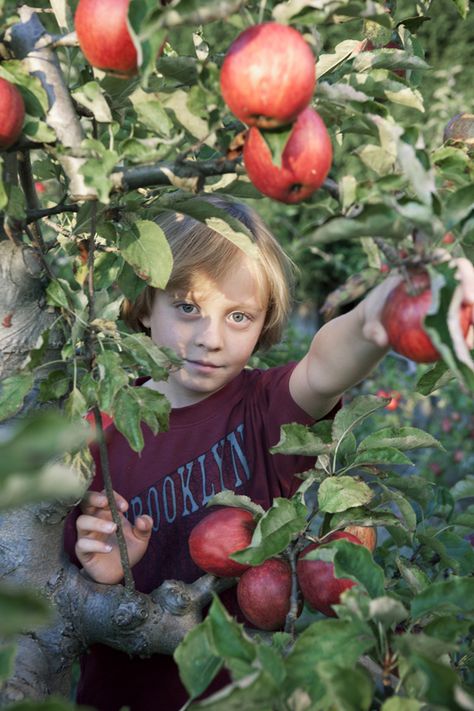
[[263, 594], [101, 27], [216, 536], [268, 75], [403, 316], [367, 535], [320, 588], [305, 161], [12, 113]]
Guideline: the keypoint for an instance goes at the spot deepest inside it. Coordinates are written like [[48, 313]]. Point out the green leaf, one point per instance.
[[346, 689], [380, 456], [398, 703], [90, 95], [228, 498], [197, 659], [127, 417], [343, 51], [400, 437], [453, 595], [274, 531], [155, 361], [220, 221], [327, 639], [230, 641], [351, 415], [356, 562], [459, 205], [276, 141], [434, 378], [462, 6], [309, 441], [387, 611], [342, 493], [98, 168], [255, 692], [152, 115], [373, 221], [112, 378], [21, 609], [76, 405], [7, 660], [13, 391], [416, 578], [463, 489], [146, 249]]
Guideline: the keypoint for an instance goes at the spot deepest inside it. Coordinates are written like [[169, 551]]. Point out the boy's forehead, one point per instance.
[[242, 282]]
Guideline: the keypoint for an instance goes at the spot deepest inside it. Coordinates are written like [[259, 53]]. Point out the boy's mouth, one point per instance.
[[203, 364]]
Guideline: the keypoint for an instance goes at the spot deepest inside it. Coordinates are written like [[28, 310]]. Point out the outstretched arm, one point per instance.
[[97, 547], [345, 350]]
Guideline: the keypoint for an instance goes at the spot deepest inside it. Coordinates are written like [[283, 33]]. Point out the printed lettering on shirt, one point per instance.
[[191, 486]]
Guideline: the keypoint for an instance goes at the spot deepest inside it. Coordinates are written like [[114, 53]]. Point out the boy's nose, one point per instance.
[[209, 335]]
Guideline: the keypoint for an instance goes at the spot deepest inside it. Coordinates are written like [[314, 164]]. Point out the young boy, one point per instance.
[[219, 306]]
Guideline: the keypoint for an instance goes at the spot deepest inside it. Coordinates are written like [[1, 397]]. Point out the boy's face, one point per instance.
[[214, 327]]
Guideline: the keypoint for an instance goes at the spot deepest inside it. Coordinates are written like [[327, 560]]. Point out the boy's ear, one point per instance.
[[145, 320]]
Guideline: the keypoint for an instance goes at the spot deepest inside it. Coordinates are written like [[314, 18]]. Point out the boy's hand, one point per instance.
[[97, 547], [373, 304]]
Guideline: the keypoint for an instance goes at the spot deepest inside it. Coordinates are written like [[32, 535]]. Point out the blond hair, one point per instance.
[[196, 248]]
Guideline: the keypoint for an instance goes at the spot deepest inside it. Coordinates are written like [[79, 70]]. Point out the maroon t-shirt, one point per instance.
[[219, 443]]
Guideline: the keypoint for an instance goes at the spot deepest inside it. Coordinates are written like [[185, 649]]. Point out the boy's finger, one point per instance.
[[98, 500], [92, 545], [92, 524], [143, 527]]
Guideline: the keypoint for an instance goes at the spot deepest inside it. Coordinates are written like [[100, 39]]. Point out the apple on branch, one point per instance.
[[305, 160], [319, 586], [104, 37], [264, 592], [268, 75], [12, 113], [217, 536]]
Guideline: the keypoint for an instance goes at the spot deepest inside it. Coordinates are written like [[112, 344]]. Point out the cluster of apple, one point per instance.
[[264, 591], [267, 80], [12, 114]]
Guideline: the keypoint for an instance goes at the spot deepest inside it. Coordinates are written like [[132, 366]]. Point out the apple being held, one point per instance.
[[12, 113], [318, 584], [268, 75], [217, 536], [263, 594], [403, 315], [305, 160], [104, 37]]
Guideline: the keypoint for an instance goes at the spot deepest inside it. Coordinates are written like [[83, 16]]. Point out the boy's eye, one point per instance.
[[186, 308], [238, 317]]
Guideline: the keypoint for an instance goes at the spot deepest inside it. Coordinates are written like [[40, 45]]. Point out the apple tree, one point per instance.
[[106, 123]]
